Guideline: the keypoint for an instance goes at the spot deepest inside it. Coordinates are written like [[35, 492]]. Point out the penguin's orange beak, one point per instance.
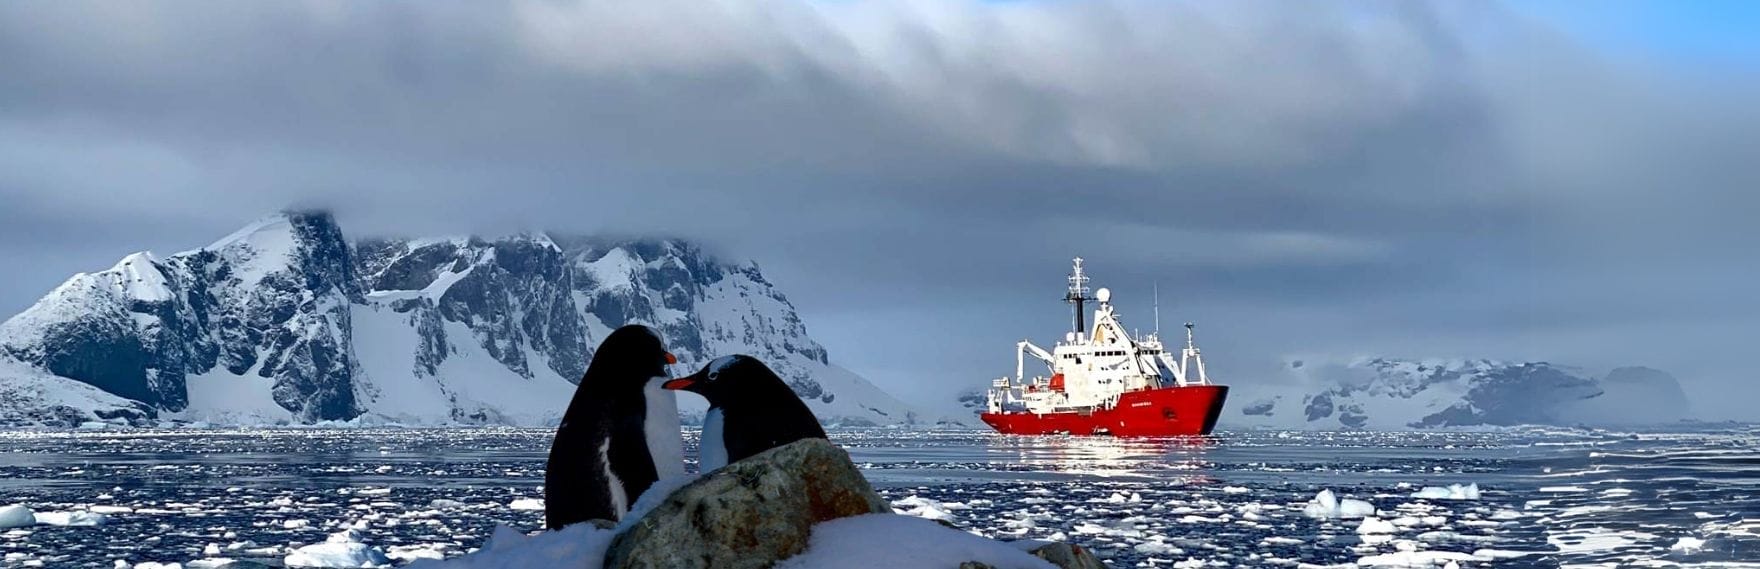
[[683, 383], [671, 359]]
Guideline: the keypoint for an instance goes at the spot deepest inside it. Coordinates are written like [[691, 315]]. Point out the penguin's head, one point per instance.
[[629, 357], [731, 379]]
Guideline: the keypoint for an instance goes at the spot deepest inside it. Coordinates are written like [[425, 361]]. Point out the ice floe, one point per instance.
[[341, 549], [1450, 492], [1327, 505], [16, 516]]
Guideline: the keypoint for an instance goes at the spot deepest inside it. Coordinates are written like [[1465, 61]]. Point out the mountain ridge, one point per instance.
[[288, 321]]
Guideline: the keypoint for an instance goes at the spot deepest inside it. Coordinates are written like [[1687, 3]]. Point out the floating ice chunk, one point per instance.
[[1688, 545], [295, 524], [1327, 505], [341, 549], [526, 504], [1235, 490], [111, 509], [157, 565], [1451, 492], [925, 508], [1372, 525], [1561, 489], [73, 518], [16, 516]]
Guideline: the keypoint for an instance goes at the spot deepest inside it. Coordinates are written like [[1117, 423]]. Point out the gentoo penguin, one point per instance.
[[619, 435], [750, 410]]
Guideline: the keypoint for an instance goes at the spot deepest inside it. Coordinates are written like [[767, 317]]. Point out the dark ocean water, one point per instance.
[[1549, 497]]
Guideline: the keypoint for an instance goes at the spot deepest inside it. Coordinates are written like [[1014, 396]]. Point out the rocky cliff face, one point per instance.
[[286, 320]]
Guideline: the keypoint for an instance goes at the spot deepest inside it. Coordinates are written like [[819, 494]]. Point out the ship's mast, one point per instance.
[[1157, 311], [1078, 294]]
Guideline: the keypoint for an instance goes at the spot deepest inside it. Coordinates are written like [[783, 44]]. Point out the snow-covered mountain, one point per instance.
[[287, 321], [1393, 393], [1383, 393]]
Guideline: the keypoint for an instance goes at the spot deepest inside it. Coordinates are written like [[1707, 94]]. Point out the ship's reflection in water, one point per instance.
[[959, 457]]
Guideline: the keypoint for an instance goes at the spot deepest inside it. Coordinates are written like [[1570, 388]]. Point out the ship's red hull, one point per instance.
[[1169, 411]]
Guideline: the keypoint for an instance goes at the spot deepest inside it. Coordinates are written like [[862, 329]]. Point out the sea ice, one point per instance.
[[923, 508], [1451, 492], [1372, 525], [526, 504], [1327, 505], [341, 549], [73, 518], [16, 516]]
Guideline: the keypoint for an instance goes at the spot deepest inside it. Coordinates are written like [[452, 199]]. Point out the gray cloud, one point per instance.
[[1389, 177]]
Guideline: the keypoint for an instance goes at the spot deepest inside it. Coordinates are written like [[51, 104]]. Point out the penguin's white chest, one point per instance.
[[660, 426], [712, 451]]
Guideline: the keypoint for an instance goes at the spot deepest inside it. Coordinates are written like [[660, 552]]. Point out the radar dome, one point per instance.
[[1103, 295]]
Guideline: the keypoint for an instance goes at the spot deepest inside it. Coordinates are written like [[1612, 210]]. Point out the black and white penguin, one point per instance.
[[619, 435], [750, 410]]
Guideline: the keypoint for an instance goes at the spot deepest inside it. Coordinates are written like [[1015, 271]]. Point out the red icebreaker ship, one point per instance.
[[1104, 382]]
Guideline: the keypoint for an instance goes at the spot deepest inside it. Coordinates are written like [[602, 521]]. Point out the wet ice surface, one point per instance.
[[1545, 497]]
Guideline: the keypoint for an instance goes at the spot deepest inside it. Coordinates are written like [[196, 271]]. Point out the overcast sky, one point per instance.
[[1571, 182]]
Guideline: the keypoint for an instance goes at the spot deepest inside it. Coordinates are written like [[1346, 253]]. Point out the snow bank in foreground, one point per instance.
[[342, 549], [1452, 492], [1327, 505], [874, 540], [580, 546], [16, 517]]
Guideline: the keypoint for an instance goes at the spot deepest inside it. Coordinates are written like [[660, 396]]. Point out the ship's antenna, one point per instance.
[[1157, 310], [1189, 327], [1078, 294]]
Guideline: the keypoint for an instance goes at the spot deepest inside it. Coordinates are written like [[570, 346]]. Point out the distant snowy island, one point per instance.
[[1391, 393], [287, 321]]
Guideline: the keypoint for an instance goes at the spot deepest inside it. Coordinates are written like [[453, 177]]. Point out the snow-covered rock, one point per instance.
[[1383, 393], [288, 321]]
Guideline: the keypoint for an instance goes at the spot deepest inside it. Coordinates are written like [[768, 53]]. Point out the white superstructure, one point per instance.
[[1092, 367]]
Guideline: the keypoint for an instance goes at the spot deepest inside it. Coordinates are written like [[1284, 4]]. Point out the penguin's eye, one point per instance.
[[714, 374]]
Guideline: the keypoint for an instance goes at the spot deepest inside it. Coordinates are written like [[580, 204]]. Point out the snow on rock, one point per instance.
[[72, 518], [1415, 559], [1451, 492], [1327, 505], [874, 540], [580, 546], [16, 516], [656, 494], [341, 549]]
